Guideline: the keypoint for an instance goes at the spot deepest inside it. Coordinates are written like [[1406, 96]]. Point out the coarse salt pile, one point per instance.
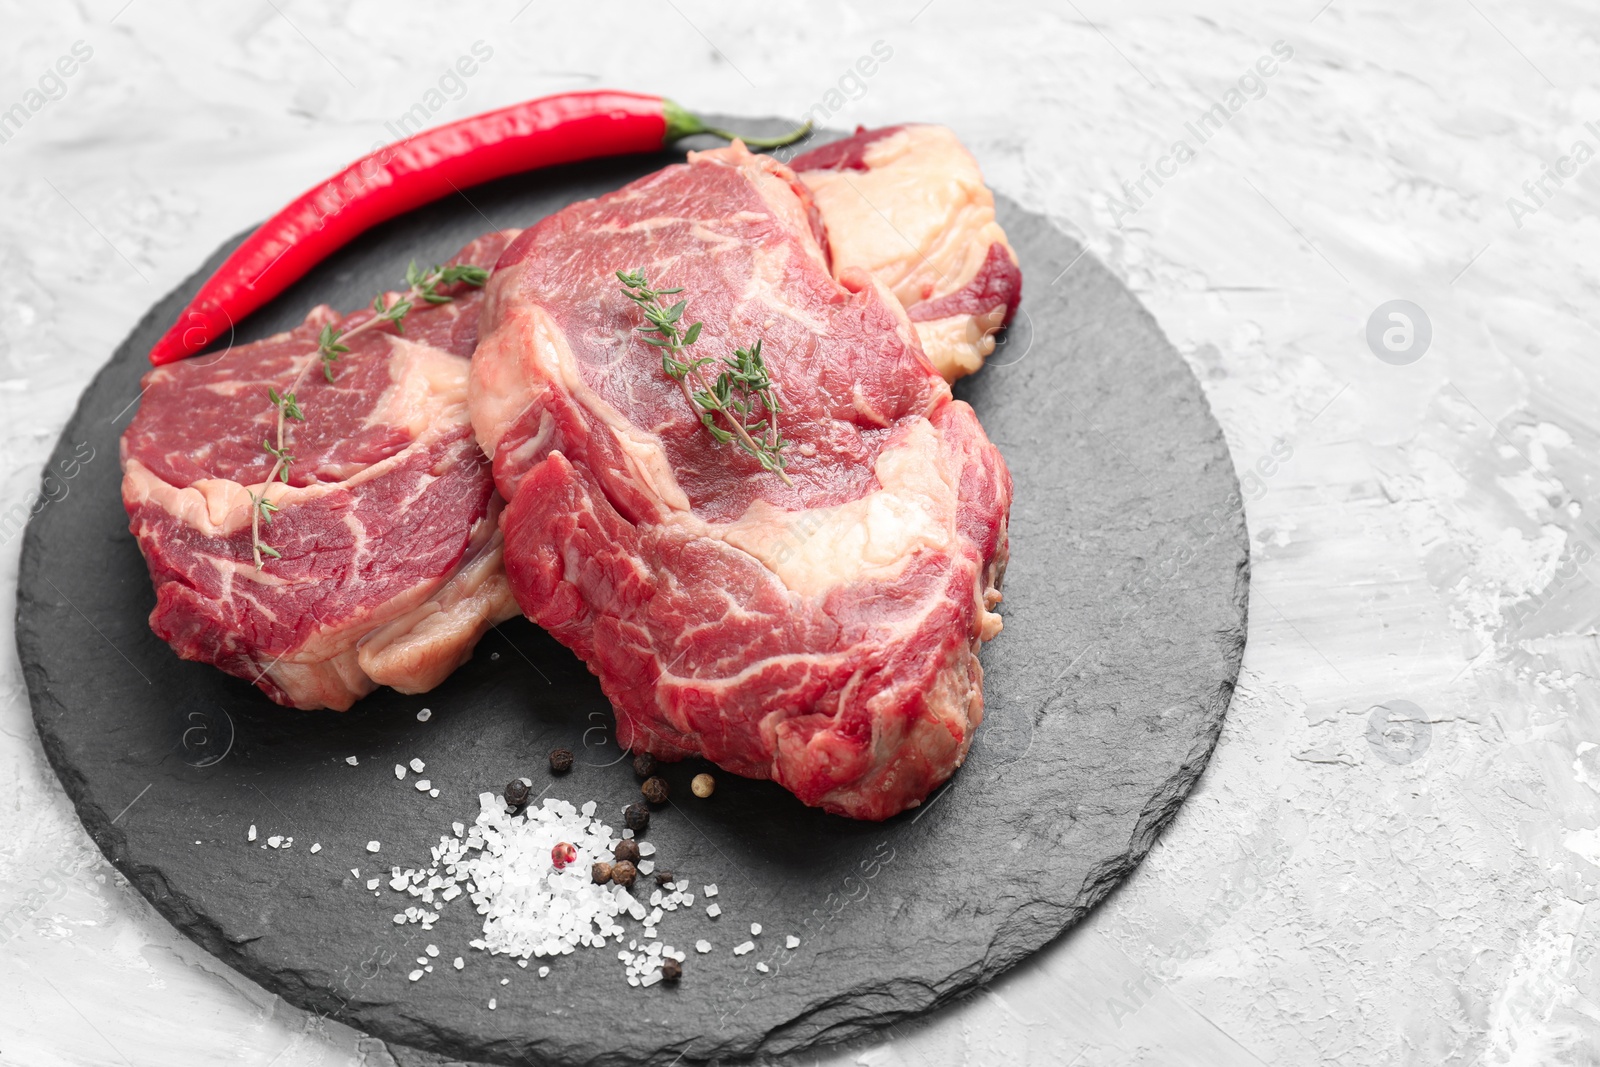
[[529, 908]]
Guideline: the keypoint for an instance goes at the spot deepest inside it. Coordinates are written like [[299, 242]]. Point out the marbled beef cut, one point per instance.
[[390, 553], [908, 205], [823, 635]]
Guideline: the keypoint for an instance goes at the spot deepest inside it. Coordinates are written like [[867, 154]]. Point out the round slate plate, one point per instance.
[[1125, 622]]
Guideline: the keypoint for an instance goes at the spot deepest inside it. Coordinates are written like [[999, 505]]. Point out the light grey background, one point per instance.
[[1342, 888]]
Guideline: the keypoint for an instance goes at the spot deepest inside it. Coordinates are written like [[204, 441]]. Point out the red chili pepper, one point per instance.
[[430, 165]]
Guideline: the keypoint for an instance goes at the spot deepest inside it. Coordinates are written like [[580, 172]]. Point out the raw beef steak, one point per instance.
[[908, 205], [823, 635], [390, 553]]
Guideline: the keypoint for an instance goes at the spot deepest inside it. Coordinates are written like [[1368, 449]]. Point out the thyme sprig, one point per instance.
[[420, 285], [742, 394]]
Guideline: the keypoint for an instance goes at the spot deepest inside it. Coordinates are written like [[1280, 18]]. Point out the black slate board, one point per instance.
[[1125, 609]]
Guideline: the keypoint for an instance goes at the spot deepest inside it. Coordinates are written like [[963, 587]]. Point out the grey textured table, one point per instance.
[[1393, 856]]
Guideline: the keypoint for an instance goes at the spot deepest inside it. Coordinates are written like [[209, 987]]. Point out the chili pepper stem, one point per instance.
[[682, 123]]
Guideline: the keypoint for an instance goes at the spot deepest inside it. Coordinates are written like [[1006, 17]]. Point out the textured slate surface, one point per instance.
[[1125, 614]]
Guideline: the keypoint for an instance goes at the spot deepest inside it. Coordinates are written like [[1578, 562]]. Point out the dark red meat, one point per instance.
[[823, 635], [389, 570]]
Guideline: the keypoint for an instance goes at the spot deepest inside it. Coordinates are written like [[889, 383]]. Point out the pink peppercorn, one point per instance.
[[562, 854]]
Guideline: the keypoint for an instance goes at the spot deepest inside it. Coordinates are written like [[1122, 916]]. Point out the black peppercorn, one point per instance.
[[636, 817], [517, 793], [655, 790], [561, 760], [623, 873], [600, 872], [627, 849], [671, 970], [644, 764], [663, 877]]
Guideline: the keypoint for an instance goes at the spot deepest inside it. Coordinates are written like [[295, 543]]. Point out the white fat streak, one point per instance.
[[871, 537], [918, 216]]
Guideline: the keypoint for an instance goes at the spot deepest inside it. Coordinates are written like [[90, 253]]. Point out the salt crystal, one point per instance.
[[741, 949], [791, 942], [762, 967], [627, 835], [459, 963], [400, 771], [651, 979], [355, 872], [416, 974], [372, 883], [423, 785], [417, 765], [251, 836], [316, 846], [714, 910], [702, 946], [432, 950], [647, 866], [501, 861], [373, 846], [433, 793], [399, 883], [275, 841], [710, 890], [544, 972], [352, 761], [755, 929], [646, 849], [425, 714], [505, 981], [399, 920], [491, 1004]]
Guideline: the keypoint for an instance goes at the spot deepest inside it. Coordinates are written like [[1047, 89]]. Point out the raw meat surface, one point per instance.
[[822, 635], [390, 568], [908, 205]]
